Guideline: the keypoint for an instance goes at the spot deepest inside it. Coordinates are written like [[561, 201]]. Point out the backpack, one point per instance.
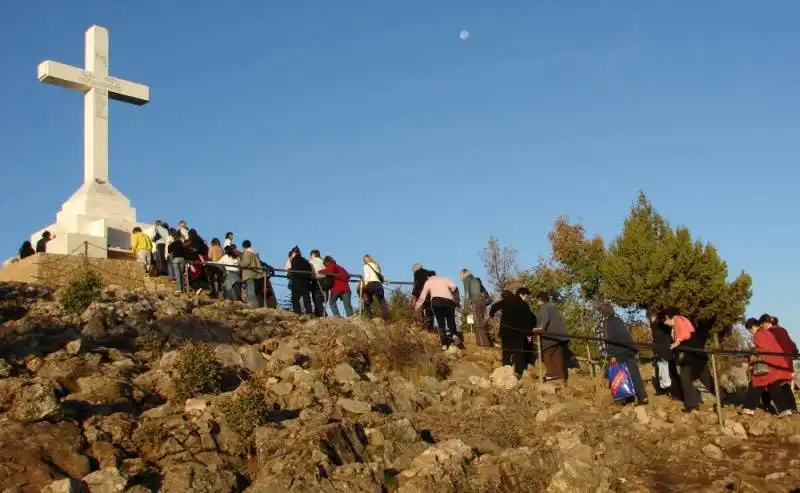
[[487, 298]]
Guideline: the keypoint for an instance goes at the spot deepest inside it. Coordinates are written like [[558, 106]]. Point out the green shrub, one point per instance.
[[82, 290], [247, 410], [199, 372], [152, 341]]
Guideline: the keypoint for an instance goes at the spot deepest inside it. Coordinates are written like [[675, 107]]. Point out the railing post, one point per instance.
[[541, 361], [716, 382], [589, 359], [85, 254]]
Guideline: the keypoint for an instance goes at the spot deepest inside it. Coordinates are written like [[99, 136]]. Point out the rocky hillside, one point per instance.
[[161, 393]]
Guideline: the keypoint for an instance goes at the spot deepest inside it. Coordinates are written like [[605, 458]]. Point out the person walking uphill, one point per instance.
[[252, 274], [770, 372], [663, 361], [159, 239], [692, 365], [142, 247], [475, 299], [549, 327], [177, 255], [421, 276], [516, 328], [444, 301], [318, 294], [301, 276], [340, 287], [372, 288], [619, 348]]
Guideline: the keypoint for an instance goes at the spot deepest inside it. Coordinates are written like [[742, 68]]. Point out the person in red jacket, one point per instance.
[[770, 372], [781, 334], [339, 286]]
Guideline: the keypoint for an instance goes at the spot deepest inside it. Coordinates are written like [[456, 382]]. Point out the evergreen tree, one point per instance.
[[650, 265]]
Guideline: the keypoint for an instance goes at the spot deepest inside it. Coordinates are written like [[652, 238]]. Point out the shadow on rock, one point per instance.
[[189, 328]]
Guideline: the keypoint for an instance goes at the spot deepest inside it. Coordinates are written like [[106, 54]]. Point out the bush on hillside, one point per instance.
[[83, 288], [247, 409], [199, 372], [152, 341]]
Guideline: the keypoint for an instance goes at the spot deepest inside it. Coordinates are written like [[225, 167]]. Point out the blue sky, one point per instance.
[[369, 126]]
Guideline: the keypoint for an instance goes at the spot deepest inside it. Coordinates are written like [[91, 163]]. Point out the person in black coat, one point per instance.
[[665, 370], [300, 274], [619, 348], [421, 276], [516, 328]]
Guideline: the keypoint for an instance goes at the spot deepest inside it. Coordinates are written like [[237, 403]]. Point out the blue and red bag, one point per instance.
[[621, 382]]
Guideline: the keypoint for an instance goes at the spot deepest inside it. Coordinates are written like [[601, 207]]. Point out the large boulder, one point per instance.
[[34, 401], [35, 454]]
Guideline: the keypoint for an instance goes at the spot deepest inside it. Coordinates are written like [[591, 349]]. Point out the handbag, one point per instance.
[[760, 367], [621, 382]]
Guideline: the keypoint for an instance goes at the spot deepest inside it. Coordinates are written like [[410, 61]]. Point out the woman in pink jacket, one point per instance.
[[444, 301]]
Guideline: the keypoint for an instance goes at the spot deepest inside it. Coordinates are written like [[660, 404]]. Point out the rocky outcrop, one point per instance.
[[95, 403]]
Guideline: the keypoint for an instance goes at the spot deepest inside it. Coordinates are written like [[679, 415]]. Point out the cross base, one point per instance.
[[98, 214]]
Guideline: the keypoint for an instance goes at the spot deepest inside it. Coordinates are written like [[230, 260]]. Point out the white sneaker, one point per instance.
[[444, 348], [786, 413], [749, 412]]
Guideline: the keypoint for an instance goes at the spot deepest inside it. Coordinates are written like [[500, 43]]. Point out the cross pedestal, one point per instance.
[[97, 213]]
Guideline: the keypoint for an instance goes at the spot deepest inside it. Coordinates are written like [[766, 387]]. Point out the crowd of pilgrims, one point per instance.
[[239, 274]]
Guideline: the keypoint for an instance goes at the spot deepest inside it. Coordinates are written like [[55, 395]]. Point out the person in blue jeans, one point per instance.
[[177, 252]]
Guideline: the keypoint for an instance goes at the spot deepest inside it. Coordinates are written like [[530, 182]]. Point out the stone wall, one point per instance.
[[55, 270]]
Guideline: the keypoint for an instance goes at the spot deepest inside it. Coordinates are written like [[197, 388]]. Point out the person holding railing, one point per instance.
[[444, 301], [663, 358], [337, 277], [252, 274], [421, 276], [688, 345], [476, 301], [554, 348], [372, 288], [215, 273], [301, 276], [231, 287], [318, 295], [159, 240], [769, 372], [177, 256], [619, 348], [516, 329]]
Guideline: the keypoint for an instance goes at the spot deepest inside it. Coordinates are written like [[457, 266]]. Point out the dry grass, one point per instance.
[[407, 350], [397, 347]]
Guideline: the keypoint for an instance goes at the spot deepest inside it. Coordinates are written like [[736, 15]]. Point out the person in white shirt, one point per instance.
[[372, 287], [183, 229], [231, 287], [228, 241], [159, 239], [319, 296]]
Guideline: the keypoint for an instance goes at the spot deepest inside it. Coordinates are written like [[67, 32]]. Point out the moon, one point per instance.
[[464, 35]]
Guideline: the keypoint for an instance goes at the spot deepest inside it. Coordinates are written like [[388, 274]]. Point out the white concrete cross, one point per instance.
[[98, 86]]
